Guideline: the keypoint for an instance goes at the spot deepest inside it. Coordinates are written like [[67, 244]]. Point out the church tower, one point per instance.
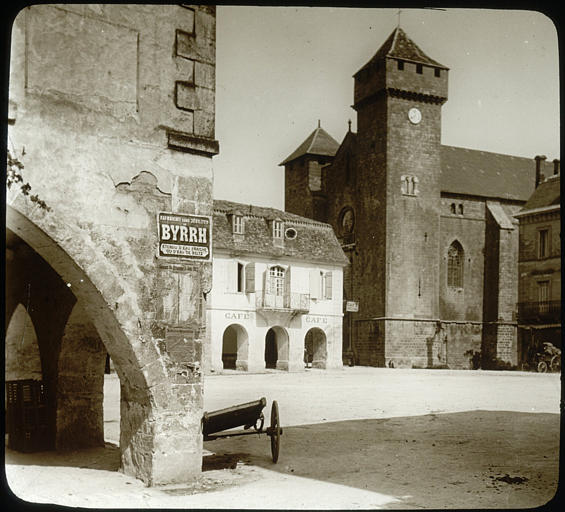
[[398, 98], [305, 192]]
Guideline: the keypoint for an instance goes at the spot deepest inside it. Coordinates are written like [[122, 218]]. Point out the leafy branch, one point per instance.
[[14, 178]]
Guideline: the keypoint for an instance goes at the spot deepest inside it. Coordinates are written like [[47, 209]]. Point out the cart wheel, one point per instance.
[[555, 363], [542, 367], [275, 431]]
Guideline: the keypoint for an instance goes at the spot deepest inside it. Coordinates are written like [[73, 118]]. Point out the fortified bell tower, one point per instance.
[[398, 98]]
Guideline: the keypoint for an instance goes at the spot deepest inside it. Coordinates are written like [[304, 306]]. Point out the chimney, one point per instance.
[[539, 162], [555, 167]]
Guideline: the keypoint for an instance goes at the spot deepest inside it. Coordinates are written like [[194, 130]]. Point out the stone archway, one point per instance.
[[277, 348], [315, 344], [155, 414], [235, 348], [22, 358]]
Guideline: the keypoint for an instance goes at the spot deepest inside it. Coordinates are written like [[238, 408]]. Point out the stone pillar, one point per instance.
[[80, 385]]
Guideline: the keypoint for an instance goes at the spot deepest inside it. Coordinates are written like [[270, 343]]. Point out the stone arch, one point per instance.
[[235, 347], [22, 357], [277, 348], [109, 301], [315, 344]]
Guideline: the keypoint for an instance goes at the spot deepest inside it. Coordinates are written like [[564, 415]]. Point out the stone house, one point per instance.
[[428, 228], [276, 293], [539, 263]]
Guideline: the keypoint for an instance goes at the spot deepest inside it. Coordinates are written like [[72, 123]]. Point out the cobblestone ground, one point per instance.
[[354, 438]]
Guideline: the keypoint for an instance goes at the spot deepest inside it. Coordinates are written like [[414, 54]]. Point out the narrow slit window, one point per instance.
[[455, 260]]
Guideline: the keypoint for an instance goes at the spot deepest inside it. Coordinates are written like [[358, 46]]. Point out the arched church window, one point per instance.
[[455, 261]]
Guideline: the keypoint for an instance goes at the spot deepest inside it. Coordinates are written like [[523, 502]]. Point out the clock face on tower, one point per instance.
[[414, 115]]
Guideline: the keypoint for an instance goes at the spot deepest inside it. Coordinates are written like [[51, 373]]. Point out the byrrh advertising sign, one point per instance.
[[185, 236]]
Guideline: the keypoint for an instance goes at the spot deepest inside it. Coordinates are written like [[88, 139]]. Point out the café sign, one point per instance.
[[351, 306], [185, 236]]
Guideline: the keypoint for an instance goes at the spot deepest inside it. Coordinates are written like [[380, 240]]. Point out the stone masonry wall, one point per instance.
[[417, 343], [114, 105]]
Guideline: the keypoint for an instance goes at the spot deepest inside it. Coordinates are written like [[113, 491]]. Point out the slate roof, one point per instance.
[[319, 142], [315, 241], [548, 193], [485, 174], [400, 46]]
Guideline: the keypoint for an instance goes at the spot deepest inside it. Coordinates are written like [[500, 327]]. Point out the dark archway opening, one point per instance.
[[229, 348], [271, 353]]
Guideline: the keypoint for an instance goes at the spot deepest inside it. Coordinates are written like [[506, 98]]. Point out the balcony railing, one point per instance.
[[543, 312], [292, 301]]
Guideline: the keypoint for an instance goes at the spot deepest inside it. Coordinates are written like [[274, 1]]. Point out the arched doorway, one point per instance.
[[276, 348], [235, 348], [315, 347], [21, 349]]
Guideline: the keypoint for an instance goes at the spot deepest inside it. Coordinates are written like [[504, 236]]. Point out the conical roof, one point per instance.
[[400, 46], [319, 142]]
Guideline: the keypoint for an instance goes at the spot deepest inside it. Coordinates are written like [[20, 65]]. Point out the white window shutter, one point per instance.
[[231, 276], [266, 283], [314, 284], [287, 284], [328, 285], [250, 278]]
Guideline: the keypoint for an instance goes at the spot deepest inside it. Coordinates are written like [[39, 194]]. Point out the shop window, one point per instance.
[[455, 262]]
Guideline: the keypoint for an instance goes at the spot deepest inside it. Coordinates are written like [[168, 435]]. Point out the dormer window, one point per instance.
[[238, 225], [278, 229]]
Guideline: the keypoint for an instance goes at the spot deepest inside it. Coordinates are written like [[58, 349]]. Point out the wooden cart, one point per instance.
[[245, 415]]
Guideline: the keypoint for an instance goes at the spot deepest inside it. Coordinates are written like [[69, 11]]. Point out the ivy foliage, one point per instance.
[[14, 178]]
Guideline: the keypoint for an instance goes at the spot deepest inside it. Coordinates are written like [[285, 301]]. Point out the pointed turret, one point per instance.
[[318, 143]]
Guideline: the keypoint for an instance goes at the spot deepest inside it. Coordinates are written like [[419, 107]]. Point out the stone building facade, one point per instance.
[[277, 292], [112, 116], [428, 228], [539, 262]]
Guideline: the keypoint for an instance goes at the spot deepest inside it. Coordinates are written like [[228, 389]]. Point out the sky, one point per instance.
[[281, 69]]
